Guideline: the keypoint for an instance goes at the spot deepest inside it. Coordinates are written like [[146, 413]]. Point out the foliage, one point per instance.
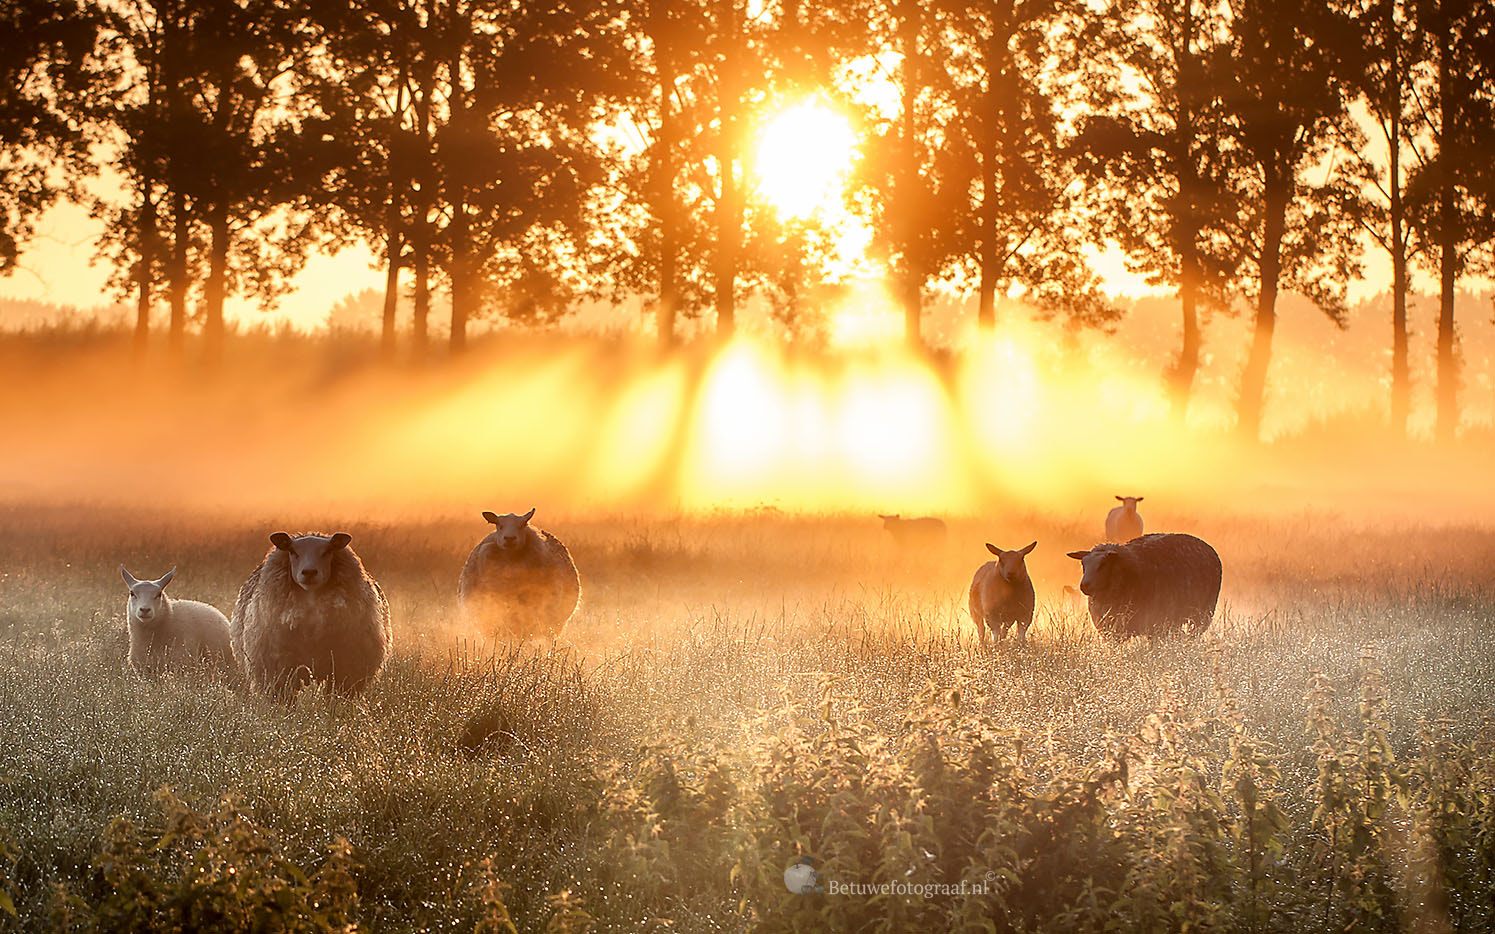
[[216, 870], [668, 775]]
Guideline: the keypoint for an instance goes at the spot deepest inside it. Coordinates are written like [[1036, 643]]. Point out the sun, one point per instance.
[[804, 153]]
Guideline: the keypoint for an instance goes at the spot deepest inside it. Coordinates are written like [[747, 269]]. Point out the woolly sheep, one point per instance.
[[166, 632], [1002, 594], [1150, 586], [914, 533], [519, 582], [1122, 523], [310, 612]]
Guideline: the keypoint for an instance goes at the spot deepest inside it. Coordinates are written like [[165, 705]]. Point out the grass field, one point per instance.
[[741, 691]]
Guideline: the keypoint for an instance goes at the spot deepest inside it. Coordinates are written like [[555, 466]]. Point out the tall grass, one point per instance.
[[739, 693]]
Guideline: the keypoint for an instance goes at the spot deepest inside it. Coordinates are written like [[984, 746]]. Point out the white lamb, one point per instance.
[[167, 633], [1123, 523]]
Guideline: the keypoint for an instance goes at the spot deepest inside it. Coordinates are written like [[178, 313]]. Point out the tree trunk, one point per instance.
[[419, 331], [664, 188], [1254, 377], [420, 222], [144, 271], [1448, 363], [1186, 366], [1181, 374], [729, 202], [1401, 378], [177, 276], [213, 288], [391, 289], [455, 175], [906, 195], [998, 93]]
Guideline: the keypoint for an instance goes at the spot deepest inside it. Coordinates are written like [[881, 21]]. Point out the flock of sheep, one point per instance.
[[1136, 584], [310, 612]]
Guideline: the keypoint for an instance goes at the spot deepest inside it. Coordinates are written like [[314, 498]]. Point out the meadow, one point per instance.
[[742, 690]]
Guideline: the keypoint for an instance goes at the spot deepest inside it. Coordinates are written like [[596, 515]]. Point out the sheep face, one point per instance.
[[509, 530], [1129, 503], [889, 522], [311, 556], [1098, 570], [147, 598], [1010, 564]]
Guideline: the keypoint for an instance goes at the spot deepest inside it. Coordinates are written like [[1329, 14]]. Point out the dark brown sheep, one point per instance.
[[519, 582], [925, 531], [1152, 585], [310, 612], [1002, 594]]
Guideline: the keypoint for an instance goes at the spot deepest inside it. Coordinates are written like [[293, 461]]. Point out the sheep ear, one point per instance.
[[993, 548], [1029, 550], [282, 541], [1078, 555], [129, 578], [166, 578], [881, 516], [340, 540], [1140, 498], [1121, 499], [529, 515], [489, 516]]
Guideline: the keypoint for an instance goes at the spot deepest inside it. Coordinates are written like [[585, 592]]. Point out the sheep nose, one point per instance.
[[145, 612], [309, 576]]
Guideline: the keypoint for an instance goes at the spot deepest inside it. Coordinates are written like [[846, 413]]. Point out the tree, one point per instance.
[[527, 86], [49, 87], [248, 177], [900, 190], [373, 93], [1284, 85], [1448, 196], [1017, 224], [1153, 148], [210, 159], [1394, 51]]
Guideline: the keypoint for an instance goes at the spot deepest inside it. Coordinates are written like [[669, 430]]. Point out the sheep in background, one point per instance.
[[1152, 585], [519, 582], [165, 632], [310, 612], [1002, 594], [915, 533], [1122, 523]]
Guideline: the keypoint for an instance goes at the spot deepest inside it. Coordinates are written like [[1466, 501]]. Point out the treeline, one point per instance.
[[523, 156]]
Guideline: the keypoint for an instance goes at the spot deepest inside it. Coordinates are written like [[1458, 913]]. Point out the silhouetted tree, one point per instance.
[[907, 195], [211, 161], [1286, 94], [49, 86], [1152, 143], [1447, 197], [1393, 52], [527, 86], [1017, 224], [371, 93]]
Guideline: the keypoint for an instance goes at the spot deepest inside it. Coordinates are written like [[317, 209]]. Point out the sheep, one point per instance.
[[1002, 594], [165, 632], [1150, 586], [519, 582], [310, 612], [1122, 523], [915, 533]]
